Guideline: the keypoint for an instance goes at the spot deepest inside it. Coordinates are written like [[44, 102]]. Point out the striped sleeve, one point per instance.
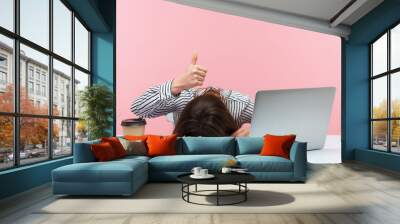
[[247, 112], [240, 106], [156, 101]]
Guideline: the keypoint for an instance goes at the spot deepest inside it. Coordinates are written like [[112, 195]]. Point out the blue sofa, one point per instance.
[[125, 176]]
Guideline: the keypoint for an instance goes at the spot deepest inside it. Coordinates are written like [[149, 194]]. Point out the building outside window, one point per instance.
[[30, 87], [58, 127], [30, 72], [3, 72], [385, 91], [43, 90], [37, 74], [3, 77], [3, 60], [44, 77]]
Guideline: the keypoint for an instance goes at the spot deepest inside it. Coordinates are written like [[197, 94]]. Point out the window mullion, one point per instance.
[[50, 81], [73, 82], [389, 101], [16, 85]]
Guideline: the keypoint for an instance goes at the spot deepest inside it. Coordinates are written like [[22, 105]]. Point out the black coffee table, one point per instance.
[[238, 179]]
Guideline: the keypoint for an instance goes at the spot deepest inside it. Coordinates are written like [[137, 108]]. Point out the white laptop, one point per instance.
[[303, 112]]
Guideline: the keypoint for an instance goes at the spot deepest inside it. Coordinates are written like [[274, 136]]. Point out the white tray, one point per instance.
[[208, 176]]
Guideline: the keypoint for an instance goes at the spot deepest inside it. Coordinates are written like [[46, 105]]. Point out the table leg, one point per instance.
[[188, 190], [195, 188], [245, 193], [217, 194]]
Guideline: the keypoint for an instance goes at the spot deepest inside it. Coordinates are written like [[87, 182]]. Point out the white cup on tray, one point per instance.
[[196, 171]]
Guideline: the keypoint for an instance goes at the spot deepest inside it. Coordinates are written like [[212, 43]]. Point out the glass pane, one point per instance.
[[6, 74], [379, 97], [379, 135], [379, 55], [81, 45], [34, 97], [62, 29], [34, 21], [62, 138], [395, 47], [81, 81], [81, 131], [395, 94], [62, 89], [395, 136], [33, 139], [7, 14], [6, 142]]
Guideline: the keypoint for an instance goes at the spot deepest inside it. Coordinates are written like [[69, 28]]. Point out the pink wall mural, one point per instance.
[[156, 39]]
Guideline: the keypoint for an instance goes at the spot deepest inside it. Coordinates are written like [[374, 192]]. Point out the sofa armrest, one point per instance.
[[298, 155], [83, 152]]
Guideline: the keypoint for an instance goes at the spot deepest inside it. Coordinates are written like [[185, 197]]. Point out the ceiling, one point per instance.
[[326, 16]]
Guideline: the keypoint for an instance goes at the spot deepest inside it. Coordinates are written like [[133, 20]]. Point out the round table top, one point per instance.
[[220, 178]]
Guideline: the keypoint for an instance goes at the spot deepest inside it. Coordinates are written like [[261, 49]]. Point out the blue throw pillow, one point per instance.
[[206, 145], [249, 145]]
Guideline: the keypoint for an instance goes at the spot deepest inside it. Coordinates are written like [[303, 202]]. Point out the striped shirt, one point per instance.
[[159, 100]]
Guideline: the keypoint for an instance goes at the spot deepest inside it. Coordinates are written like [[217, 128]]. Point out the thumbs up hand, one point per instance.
[[193, 76]]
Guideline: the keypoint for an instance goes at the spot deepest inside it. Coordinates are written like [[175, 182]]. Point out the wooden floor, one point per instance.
[[377, 188]]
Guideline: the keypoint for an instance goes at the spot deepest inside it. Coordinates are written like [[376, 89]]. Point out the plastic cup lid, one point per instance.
[[133, 122]]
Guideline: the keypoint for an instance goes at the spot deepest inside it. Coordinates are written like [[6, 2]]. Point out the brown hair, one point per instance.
[[206, 115]]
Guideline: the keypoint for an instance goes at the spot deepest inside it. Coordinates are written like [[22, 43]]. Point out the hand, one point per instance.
[[243, 131], [194, 76]]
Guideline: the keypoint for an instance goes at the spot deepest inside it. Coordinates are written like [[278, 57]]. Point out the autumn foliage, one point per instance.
[[380, 127], [33, 131]]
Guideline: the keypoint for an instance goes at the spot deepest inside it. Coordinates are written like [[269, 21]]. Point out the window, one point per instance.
[[41, 124], [81, 45], [385, 91], [61, 74], [38, 73], [37, 89], [6, 85], [7, 14], [3, 61], [44, 91], [30, 72], [30, 87], [34, 21], [62, 32], [3, 78]]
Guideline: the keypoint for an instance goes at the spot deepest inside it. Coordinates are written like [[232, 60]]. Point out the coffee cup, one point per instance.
[[203, 172], [226, 170], [196, 171], [134, 126]]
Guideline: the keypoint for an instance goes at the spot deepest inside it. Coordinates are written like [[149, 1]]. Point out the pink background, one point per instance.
[[156, 39]]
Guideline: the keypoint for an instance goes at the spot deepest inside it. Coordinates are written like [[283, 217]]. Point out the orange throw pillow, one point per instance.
[[161, 145], [116, 145], [103, 152], [277, 145]]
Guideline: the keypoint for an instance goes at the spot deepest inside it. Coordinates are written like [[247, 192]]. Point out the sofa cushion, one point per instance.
[[249, 145], [134, 147], [277, 145], [185, 163], [206, 145], [257, 163], [112, 171], [103, 152], [161, 145], [116, 145], [83, 152]]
